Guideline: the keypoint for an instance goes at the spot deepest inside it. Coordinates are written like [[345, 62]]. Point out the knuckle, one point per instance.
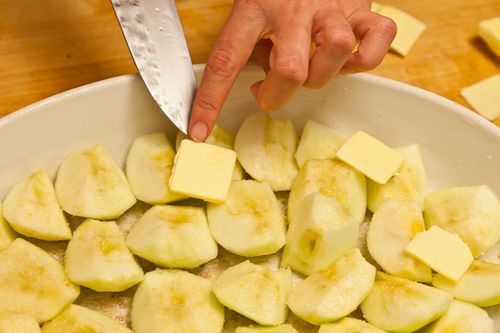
[[342, 40], [387, 26], [291, 69], [206, 104], [222, 63]]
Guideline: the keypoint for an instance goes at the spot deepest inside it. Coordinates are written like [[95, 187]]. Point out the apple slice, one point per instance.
[[173, 237], [149, 166], [176, 301], [32, 282], [219, 137], [332, 178], [18, 323], [7, 235], [77, 318], [317, 142], [479, 285], [97, 257], [400, 305], [255, 291], [472, 212], [321, 232], [285, 328], [349, 325], [408, 184], [335, 292], [250, 222], [392, 227], [90, 184], [32, 210], [462, 317], [266, 148]]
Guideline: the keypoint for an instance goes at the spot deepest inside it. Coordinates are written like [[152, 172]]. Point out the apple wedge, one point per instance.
[[90, 184], [173, 237], [7, 235], [176, 301], [335, 292], [285, 328], [317, 142], [408, 184], [97, 257], [77, 318], [400, 305], [462, 317], [321, 231], [255, 291], [392, 227], [32, 210], [266, 148], [472, 212], [349, 325], [33, 283], [250, 222], [18, 323], [149, 166], [332, 178], [479, 285]]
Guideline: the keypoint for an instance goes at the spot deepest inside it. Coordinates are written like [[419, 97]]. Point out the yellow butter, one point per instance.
[[371, 157], [484, 97], [202, 171], [409, 28], [489, 31], [442, 251]]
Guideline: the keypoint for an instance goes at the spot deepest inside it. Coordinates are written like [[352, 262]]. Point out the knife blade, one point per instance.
[[156, 40]]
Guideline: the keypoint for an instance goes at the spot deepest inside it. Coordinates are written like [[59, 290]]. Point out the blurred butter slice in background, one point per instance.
[[484, 97], [489, 31]]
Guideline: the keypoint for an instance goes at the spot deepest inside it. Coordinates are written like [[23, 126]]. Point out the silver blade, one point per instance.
[[156, 40]]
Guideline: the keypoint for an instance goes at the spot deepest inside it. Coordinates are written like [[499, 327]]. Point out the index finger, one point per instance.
[[230, 53]]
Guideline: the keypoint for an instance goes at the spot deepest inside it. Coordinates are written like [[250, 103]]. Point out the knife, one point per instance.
[[154, 35]]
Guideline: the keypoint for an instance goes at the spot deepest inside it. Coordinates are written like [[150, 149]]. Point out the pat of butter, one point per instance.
[[489, 31], [371, 157], [484, 97], [202, 171], [409, 28], [442, 251]]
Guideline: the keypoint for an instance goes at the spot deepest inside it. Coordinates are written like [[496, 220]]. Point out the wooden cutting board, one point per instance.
[[50, 46]]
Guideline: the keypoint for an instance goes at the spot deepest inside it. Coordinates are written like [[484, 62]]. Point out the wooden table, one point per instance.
[[52, 45]]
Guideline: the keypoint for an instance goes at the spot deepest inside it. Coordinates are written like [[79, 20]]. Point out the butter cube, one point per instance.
[[371, 157], [202, 171], [442, 251], [484, 97], [409, 28], [489, 31]]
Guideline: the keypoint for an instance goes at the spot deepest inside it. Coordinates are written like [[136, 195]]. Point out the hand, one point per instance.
[[284, 29]]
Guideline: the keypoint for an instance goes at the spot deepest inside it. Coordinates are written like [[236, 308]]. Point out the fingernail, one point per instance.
[[199, 131]]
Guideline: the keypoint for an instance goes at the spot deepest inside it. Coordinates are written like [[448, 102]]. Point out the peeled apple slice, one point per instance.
[[266, 148], [149, 166], [32, 282], [409, 183], [332, 178], [176, 301], [219, 137], [32, 210], [349, 325], [400, 305], [462, 317], [480, 285], [392, 227], [250, 222], [317, 142], [335, 292], [97, 257], [472, 212], [173, 237], [7, 235], [286, 328], [77, 319], [18, 323], [90, 184], [255, 291], [321, 232]]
